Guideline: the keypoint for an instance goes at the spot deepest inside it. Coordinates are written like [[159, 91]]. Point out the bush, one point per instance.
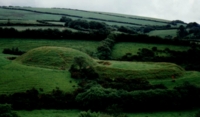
[[82, 69], [14, 51], [6, 111], [197, 114]]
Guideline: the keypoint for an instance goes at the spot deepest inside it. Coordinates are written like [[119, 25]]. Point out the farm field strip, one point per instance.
[[120, 49], [74, 113], [88, 14], [163, 33], [91, 15], [28, 44], [26, 15]]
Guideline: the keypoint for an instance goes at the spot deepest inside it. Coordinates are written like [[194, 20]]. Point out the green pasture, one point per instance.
[[96, 15], [20, 21], [120, 49], [19, 14], [15, 77], [26, 15], [160, 71], [53, 57], [144, 70], [189, 76], [48, 113], [74, 113], [163, 33], [28, 44]]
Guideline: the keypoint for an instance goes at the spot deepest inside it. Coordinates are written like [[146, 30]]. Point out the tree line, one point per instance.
[[52, 34], [98, 98]]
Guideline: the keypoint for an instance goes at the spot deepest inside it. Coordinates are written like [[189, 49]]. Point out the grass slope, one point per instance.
[[15, 77], [88, 15], [74, 113], [146, 70], [163, 33], [62, 58], [52, 57]]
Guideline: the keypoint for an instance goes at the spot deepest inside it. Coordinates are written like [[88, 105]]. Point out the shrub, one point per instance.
[[14, 51], [6, 111], [197, 114], [82, 69]]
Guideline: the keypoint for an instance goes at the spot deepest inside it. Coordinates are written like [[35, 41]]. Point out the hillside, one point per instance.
[[59, 58], [52, 57], [55, 14]]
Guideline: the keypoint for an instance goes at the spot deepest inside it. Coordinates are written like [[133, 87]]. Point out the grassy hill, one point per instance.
[[55, 14], [46, 62], [58, 59], [144, 70], [52, 57], [15, 77], [62, 58]]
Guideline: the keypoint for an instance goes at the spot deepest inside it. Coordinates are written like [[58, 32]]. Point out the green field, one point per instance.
[[74, 113], [163, 33], [15, 77], [20, 21], [25, 15], [52, 57], [144, 70], [28, 44], [46, 62], [27, 77], [96, 15], [29, 15], [120, 49]]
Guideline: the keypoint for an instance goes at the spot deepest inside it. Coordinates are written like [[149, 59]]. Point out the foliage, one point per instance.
[[104, 50], [129, 84], [14, 51], [53, 34], [188, 59], [79, 24], [88, 114], [126, 29], [182, 32], [82, 69], [65, 19], [197, 114], [6, 111]]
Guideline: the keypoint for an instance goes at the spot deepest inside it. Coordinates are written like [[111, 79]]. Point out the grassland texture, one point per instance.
[[120, 49], [15, 77], [52, 57], [163, 33], [144, 70], [28, 44], [74, 113], [53, 14]]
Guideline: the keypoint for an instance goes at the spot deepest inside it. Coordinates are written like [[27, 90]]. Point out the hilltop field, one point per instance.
[[117, 65]]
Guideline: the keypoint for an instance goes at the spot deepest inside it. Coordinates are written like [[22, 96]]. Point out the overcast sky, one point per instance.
[[185, 10]]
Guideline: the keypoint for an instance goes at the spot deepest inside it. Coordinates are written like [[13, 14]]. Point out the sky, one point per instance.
[[185, 10]]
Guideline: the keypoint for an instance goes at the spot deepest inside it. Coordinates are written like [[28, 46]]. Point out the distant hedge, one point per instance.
[[53, 34]]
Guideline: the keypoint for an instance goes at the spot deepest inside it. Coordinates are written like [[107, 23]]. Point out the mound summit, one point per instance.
[[52, 57]]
